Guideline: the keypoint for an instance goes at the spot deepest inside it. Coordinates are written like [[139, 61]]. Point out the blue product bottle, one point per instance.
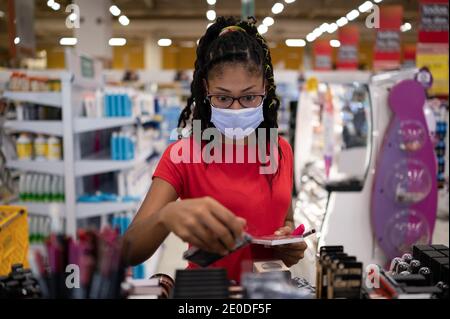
[[139, 271], [133, 147], [120, 105], [128, 105], [119, 146], [107, 105]]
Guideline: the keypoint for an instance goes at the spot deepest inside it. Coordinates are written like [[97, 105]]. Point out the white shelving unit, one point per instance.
[[80, 78]]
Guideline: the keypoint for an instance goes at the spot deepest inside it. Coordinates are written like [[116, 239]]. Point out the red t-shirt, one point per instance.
[[240, 187]]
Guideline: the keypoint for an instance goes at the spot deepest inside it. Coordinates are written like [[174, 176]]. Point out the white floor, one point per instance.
[[171, 259]]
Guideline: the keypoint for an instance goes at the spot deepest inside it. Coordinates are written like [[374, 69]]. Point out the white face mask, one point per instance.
[[237, 123]]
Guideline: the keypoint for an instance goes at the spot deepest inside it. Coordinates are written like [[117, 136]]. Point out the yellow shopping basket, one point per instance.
[[13, 237]]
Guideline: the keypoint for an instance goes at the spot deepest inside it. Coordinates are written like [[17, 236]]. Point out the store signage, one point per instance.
[[348, 52], [387, 45], [322, 55], [432, 49], [409, 56]]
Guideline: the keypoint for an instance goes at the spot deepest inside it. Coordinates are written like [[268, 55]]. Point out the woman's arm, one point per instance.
[[147, 231], [202, 222]]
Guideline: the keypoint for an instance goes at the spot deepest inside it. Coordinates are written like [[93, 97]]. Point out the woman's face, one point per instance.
[[235, 80]]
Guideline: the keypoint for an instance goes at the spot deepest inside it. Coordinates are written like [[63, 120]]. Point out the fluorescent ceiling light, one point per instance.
[[164, 42], [262, 29], [50, 3], [211, 15], [123, 20], [377, 1], [406, 27], [310, 37], [277, 8], [295, 42], [16, 40], [342, 21], [211, 2], [115, 11], [335, 43], [268, 21], [323, 27], [332, 28], [68, 41], [117, 42], [289, 1], [352, 15], [366, 6], [56, 6]]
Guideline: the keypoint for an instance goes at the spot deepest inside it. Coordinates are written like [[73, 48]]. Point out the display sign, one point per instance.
[[432, 49], [322, 55], [387, 45], [348, 52]]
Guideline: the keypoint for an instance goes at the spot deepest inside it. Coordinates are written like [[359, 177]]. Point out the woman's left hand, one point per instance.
[[289, 253]]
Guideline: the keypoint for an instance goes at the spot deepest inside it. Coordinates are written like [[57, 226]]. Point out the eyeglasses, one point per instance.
[[225, 101]]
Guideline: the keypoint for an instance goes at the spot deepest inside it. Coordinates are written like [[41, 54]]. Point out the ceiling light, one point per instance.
[[2, 14], [211, 15], [377, 1], [56, 6], [352, 15], [211, 2], [262, 29], [123, 20], [310, 37], [16, 40], [332, 28], [50, 3], [117, 42], [323, 27], [295, 42], [277, 8], [115, 11], [342, 21], [335, 43], [289, 1], [366, 6], [406, 27], [68, 41], [317, 32], [268, 21], [164, 42]]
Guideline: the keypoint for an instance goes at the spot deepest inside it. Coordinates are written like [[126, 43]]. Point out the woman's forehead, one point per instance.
[[235, 76]]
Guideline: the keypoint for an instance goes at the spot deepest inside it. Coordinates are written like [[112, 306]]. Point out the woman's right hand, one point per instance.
[[204, 223]]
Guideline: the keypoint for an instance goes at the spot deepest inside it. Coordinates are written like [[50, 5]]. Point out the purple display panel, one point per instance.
[[404, 194]]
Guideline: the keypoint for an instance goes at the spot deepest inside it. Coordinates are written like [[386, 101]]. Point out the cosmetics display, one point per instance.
[[339, 275]]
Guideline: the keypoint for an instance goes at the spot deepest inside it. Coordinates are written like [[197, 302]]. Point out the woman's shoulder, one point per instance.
[[284, 144]]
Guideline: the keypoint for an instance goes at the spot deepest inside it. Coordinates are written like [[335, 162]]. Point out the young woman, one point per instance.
[[232, 87]]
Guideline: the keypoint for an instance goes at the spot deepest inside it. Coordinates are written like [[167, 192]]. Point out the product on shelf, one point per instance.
[[123, 145], [117, 102], [19, 81], [39, 148], [41, 188], [54, 148], [24, 147]]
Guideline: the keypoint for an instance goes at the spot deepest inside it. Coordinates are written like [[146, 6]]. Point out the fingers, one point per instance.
[[285, 230], [218, 231], [295, 246], [235, 225], [207, 237]]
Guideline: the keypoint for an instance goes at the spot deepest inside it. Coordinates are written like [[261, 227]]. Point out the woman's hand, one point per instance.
[[204, 223], [289, 253]]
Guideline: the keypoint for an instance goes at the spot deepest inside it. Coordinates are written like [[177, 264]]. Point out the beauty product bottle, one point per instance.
[[40, 148], [24, 147], [47, 188], [54, 189], [54, 148], [22, 186]]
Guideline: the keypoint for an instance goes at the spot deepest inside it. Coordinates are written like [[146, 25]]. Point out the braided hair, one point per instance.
[[214, 50]]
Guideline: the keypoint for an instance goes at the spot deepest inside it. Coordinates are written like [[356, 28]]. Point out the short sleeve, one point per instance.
[[170, 172], [288, 154]]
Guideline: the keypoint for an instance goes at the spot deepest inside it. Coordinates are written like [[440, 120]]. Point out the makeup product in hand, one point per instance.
[[271, 265], [204, 258], [275, 240]]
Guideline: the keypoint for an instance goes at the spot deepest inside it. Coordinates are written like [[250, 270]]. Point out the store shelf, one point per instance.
[[86, 210], [82, 125], [45, 209], [99, 163], [43, 98], [44, 127], [48, 167]]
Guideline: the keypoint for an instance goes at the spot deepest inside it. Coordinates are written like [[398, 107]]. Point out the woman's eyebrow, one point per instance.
[[223, 89]]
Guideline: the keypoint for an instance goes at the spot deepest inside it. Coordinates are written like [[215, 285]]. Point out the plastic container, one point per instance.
[[40, 148], [24, 147], [54, 149]]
